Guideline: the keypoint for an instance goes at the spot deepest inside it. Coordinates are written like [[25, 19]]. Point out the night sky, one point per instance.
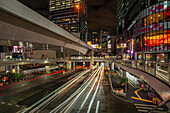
[[101, 13]]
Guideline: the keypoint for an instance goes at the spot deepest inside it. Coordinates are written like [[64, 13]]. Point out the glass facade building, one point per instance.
[[147, 30], [70, 15]]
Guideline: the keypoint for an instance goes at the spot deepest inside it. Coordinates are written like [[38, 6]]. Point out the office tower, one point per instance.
[[70, 15]]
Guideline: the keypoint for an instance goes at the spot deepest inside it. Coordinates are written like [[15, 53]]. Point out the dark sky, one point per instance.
[[101, 13]]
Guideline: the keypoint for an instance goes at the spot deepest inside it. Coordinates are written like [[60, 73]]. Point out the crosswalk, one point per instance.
[[144, 108]]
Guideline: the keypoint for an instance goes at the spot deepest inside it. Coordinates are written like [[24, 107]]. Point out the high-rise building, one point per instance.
[[70, 15], [99, 39], [143, 29], [104, 36], [94, 36]]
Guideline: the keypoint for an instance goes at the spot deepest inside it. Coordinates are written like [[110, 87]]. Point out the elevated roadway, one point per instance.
[[20, 23]]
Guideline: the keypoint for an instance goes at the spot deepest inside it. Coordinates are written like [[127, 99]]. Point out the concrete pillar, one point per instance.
[[112, 66], [169, 72], [124, 77], [92, 60], [74, 65], [143, 56], [43, 46], [136, 57], [64, 55], [47, 46], [17, 69], [68, 64], [8, 69]]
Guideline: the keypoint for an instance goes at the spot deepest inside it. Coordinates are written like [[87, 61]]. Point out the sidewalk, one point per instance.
[[133, 94]]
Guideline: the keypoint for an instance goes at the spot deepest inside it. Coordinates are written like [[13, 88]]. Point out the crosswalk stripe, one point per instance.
[[145, 105], [159, 112], [144, 108], [140, 110], [9, 104], [2, 102], [149, 108], [17, 105]]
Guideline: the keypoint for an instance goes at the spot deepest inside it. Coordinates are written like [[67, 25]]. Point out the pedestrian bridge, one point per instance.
[[156, 74]]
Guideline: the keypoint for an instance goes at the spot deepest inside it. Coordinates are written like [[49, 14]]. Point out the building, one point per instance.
[[94, 36], [70, 15], [144, 27], [104, 36], [99, 39]]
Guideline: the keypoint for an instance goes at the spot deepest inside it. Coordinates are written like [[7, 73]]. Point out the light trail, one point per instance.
[[87, 96], [54, 93], [92, 100], [75, 95]]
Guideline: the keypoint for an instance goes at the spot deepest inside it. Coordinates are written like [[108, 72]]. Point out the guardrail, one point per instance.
[[161, 70]]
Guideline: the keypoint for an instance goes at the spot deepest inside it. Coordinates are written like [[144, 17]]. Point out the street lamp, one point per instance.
[[78, 6]]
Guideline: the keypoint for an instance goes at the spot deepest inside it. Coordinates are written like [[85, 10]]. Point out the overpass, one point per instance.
[[19, 23]]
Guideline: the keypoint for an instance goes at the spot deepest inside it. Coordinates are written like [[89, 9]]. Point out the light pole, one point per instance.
[[78, 6]]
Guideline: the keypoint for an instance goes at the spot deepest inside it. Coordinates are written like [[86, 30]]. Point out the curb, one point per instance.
[[113, 93]]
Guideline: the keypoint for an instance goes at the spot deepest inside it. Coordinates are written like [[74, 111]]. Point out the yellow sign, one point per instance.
[[89, 43], [13, 70]]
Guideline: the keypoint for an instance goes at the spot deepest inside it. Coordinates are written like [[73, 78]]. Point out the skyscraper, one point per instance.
[[70, 15]]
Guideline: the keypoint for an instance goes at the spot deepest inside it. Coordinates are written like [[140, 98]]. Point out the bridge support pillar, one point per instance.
[[68, 64], [92, 60], [8, 69], [169, 72], [17, 69], [74, 65], [124, 77], [112, 66]]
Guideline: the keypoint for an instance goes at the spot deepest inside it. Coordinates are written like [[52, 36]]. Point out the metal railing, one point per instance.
[[161, 105], [161, 70]]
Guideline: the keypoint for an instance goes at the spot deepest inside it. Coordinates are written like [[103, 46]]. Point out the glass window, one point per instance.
[[156, 18]]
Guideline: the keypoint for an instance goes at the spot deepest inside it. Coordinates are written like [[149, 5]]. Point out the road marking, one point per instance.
[[92, 100], [131, 84], [97, 107], [50, 95], [160, 112], [141, 99], [136, 92], [3, 94], [106, 84], [149, 108], [101, 90], [2, 102], [9, 104], [17, 105], [145, 105], [140, 110]]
